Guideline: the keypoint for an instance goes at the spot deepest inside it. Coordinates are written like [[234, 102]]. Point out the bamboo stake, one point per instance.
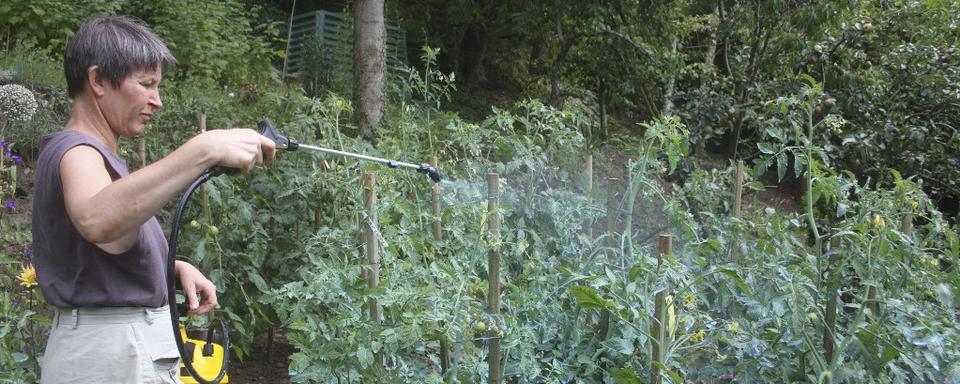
[[657, 329], [737, 203], [373, 248], [493, 263]]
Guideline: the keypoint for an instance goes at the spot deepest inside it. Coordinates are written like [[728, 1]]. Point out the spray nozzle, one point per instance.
[[429, 170]]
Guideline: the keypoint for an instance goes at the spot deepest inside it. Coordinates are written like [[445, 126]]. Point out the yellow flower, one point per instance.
[[689, 300], [720, 357], [28, 276], [930, 261], [878, 222], [913, 205], [733, 327], [698, 337]]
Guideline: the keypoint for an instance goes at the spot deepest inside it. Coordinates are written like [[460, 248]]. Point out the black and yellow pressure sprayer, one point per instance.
[[205, 359]]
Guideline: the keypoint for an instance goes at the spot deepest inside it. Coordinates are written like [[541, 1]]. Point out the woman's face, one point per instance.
[[130, 106]]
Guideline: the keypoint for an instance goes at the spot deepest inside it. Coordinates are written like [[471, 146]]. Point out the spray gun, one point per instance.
[[212, 358], [266, 128]]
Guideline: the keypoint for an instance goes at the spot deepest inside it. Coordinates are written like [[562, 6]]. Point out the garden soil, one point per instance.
[[266, 364]]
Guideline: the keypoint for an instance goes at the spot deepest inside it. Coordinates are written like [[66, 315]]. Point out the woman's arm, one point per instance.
[[109, 213]]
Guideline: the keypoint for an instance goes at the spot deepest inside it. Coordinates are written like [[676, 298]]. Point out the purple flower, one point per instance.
[[28, 250], [14, 303], [16, 158], [4, 144], [11, 204]]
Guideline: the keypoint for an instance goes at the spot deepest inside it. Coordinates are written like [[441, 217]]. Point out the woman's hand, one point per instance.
[[237, 148], [193, 283]]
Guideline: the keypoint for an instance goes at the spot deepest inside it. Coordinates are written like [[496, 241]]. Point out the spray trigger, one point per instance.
[[281, 142]]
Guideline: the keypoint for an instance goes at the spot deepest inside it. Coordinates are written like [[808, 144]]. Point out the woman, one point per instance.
[[99, 251]]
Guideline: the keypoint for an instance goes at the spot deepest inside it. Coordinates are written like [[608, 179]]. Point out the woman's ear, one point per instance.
[[95, 81]]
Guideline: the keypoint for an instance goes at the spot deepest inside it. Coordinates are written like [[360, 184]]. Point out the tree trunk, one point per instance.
[[711, 54], [602, 100], [475, 52], [761, 39], [671, 84], [369, 62], [556, 71]]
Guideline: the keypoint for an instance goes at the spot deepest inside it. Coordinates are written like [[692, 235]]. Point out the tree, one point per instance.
[[369, 41]]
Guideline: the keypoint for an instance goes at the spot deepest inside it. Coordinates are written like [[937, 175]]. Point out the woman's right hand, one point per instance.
[[237, 148]]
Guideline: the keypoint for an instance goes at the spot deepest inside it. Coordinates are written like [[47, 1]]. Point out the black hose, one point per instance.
[[172, 289]]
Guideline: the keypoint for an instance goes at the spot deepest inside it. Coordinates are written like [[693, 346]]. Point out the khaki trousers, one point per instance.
[[111, 345]]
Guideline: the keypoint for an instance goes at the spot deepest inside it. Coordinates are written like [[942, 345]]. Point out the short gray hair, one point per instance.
[[117, 45]]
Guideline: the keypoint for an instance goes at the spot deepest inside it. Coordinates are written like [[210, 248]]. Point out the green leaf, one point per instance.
[[625, 376], [258, 281], [200, 252], [781, 166], [767, 148], [365, 357], [733, 275], [587, 297], [889, 353]]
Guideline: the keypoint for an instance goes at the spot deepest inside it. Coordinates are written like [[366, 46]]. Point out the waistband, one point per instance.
[[75, 317]]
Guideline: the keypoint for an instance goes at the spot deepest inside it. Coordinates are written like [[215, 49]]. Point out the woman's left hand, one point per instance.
[[194, 282]]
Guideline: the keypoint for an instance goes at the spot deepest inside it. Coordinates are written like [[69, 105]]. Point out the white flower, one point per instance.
[[17, 102]]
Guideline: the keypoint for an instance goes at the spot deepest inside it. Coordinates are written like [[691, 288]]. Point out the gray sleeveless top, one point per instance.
[[73, 272]]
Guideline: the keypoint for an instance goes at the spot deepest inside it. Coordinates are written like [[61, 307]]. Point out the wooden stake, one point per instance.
[[283, 73], [658, 326], [370, 231], [588, 170], [611, 223], [435, 206], [493, 275], [611, 216], [737, 203], [830, 315], [588, 166], [142, 151], [437, 236], [906, 226], [872, 301]]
